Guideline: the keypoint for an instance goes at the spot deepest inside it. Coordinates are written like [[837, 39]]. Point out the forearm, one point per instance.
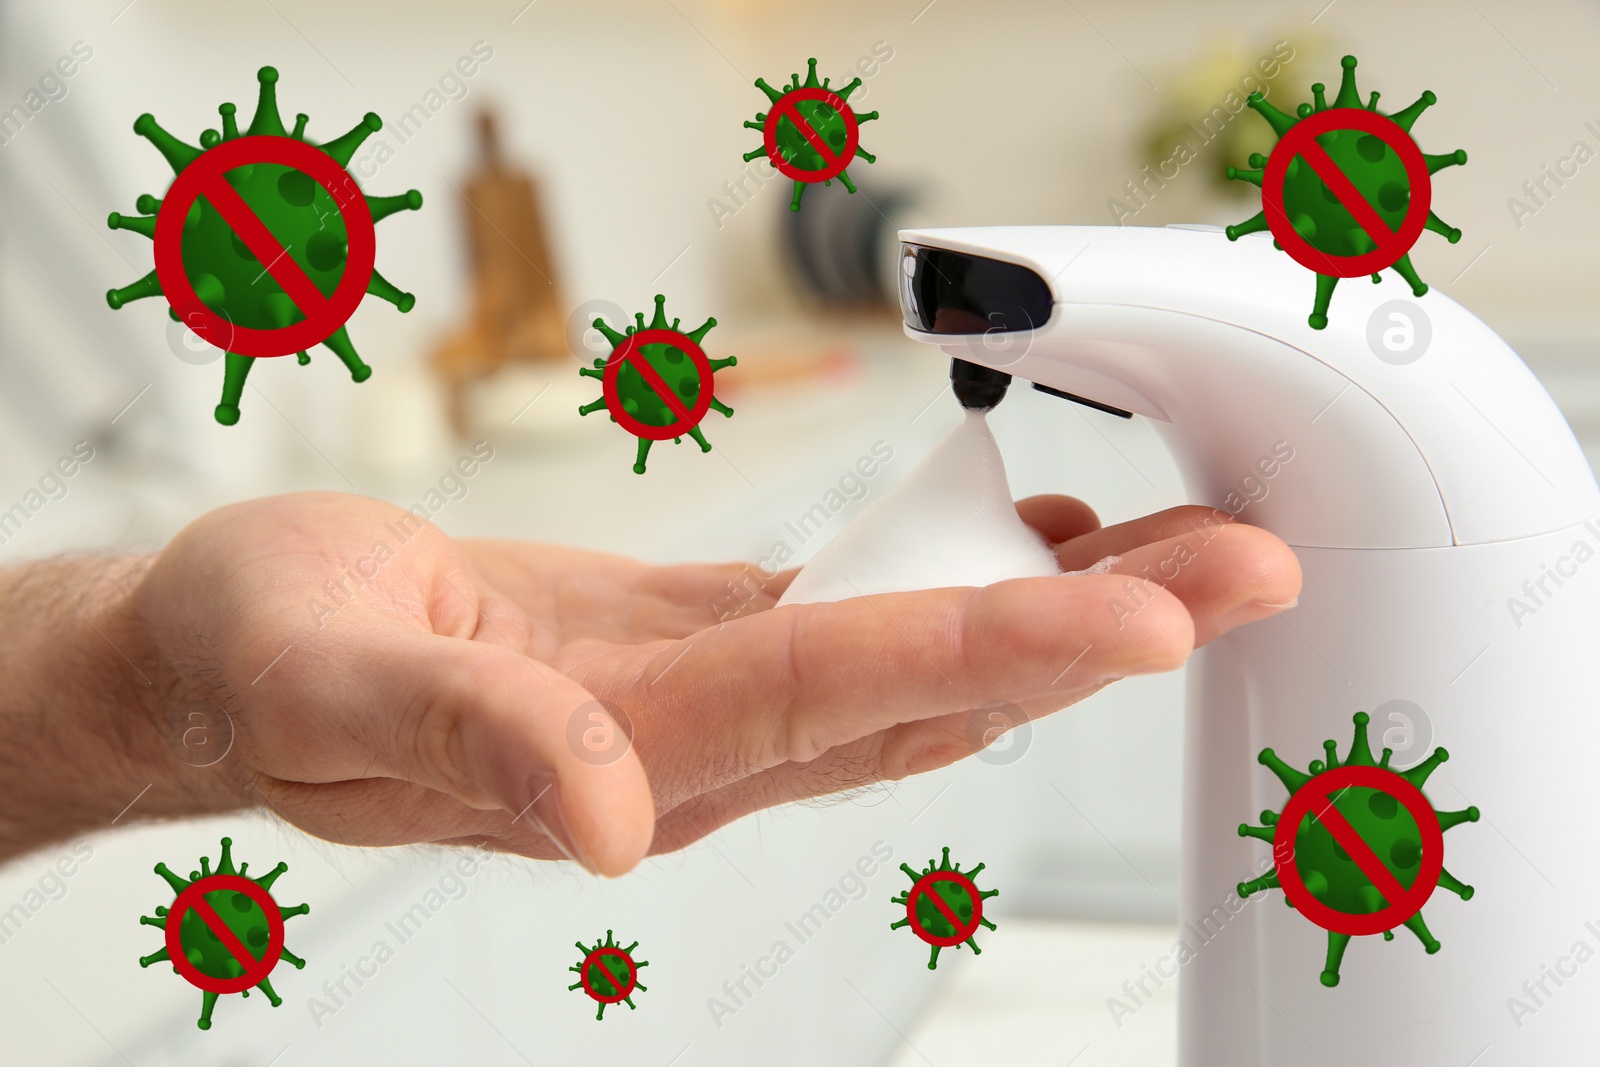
[[87, 735]]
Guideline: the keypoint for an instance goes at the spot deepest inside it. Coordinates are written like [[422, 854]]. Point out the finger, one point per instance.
[[1058, 518], [480, 723], [910, 748], [383, 812], [790, 684], [621, 600], [743, 589], [673, 598], [1089, 548], [1223, 574], [1226, 575]]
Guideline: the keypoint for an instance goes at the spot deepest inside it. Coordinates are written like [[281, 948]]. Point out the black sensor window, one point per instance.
[[954, 292]]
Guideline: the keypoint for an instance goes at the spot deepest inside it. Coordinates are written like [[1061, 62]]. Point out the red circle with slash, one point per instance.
[[194, 899], [924, 887], [624, 989], [1300, 140], [629, 352], [1315, 799], [206, 177], [785, 109]]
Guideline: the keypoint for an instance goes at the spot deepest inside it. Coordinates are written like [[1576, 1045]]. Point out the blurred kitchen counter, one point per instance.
[[1051, 993]]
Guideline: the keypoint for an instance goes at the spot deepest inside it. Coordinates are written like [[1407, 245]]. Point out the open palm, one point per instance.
[[554, 700]]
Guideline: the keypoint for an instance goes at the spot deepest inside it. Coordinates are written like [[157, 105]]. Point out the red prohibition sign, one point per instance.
[[204, 177], [629, 352], [1301, 141], [623, 989], [1315, 798], [924, 887], [194, 898], [785, 109]]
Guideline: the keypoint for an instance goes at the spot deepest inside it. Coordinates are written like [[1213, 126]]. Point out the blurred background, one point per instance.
[[575, 159]]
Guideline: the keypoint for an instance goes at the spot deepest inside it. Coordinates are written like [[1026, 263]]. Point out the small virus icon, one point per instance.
[[287, 207], [657, 382], [608, 973], [1358, 848], [810, 133], [225, 939], [943, 906], [1371, 169]]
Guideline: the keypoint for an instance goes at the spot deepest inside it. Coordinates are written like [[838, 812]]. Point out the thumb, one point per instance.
[[494, 729]]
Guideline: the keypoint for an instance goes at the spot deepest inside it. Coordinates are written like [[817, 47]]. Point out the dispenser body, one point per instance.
[[1442, 636], [1444, 518]]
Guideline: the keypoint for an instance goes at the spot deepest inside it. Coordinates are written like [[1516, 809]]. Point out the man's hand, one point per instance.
[[449, 691]]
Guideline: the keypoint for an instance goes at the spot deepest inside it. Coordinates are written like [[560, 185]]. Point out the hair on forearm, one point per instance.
[[81, 737]]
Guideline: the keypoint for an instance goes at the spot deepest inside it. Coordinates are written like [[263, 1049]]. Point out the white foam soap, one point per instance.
[[951, 522]]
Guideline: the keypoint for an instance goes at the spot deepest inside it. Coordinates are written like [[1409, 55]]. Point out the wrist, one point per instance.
[[170, 725], [85, 706]]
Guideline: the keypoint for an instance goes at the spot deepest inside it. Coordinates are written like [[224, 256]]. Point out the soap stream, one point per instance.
[[951, 522]]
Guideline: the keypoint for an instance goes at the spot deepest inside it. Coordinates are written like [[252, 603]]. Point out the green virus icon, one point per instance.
[[812, 134], [298, 212], [1377, 172], [658, 385], [226, 939], [608, 973], [1399, 853], [944, 907]]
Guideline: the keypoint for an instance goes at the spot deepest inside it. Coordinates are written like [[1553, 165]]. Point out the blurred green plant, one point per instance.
[[1200, 103]]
